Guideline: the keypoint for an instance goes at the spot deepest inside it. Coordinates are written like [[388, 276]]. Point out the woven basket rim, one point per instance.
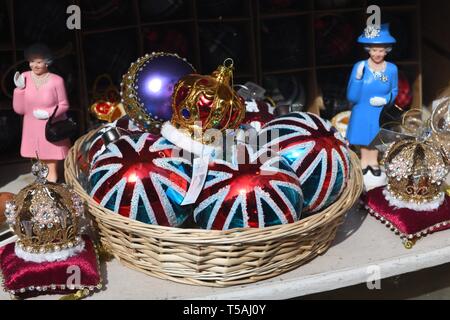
[[108, 217]]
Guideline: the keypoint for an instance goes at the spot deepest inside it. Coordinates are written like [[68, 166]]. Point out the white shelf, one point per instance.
[[361, 242]]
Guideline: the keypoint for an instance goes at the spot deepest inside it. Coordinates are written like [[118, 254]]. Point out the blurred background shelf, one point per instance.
[[297, 48]]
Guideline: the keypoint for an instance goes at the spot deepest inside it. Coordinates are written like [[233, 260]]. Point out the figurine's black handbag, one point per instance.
[[60, 130]]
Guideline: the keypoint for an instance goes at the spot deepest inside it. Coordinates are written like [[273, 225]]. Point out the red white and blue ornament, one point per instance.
[[86, 151], [315, 150], [258, 113], [248, 191], [96, 143], [127, 125], [96, 146], [138, 178]]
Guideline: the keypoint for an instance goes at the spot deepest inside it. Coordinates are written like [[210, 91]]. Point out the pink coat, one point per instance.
[[47, 97]]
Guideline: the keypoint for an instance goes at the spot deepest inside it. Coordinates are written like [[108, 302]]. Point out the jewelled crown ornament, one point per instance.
[[416, 170], [148, 85], [203, 102], [45, 216], [106, 106], [107, 111], [413, 203]]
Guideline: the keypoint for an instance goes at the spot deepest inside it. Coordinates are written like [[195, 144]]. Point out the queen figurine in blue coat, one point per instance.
[[373, 84]]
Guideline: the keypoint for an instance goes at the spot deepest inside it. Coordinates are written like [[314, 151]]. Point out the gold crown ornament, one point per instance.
[[46, 217], [202, 102], [107, 111], [106, 105], [416, 170]]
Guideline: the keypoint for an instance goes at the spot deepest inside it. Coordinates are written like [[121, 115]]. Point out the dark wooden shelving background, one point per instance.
[[129, 24]]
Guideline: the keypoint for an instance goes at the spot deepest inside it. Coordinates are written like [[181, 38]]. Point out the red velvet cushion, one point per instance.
[[409, 223], [25, 279]]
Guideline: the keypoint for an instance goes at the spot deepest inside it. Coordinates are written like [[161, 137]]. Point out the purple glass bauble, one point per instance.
[[155, 83]]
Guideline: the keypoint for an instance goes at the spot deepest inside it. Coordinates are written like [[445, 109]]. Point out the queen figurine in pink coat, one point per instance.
[[38, 92]]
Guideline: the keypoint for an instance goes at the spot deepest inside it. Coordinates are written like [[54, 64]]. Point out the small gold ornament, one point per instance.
[[45, 216], [409, 243], [107, 105], [107, 111], [202, 102]]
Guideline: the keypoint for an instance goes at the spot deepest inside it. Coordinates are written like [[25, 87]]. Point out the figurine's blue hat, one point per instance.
[[376, 35]]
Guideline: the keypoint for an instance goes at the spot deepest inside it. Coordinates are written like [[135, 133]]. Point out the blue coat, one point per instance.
[[364, 121]]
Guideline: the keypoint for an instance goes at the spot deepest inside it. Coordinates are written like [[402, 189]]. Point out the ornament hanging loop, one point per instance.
[[413, 121], [440, 118], [224, 73], [388, 126], [228, 63]]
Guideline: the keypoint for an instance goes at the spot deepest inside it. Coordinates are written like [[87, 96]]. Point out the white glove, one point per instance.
[[378, 101], [360, 70], [41, 114], [19, 80]]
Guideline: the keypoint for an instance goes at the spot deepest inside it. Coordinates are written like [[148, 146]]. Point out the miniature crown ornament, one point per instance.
[[45, 216], [413, 203], [416, 169], [106, 104], [107, 111], [202, 102]]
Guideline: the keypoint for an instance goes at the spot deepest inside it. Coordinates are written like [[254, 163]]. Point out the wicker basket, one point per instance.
[[211, 257]]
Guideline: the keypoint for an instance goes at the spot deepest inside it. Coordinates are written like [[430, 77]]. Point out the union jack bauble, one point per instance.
[[96, 145], [258, 113], [315, 150], [85, 153], [137, 177], [125, 125], [250, 189]]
